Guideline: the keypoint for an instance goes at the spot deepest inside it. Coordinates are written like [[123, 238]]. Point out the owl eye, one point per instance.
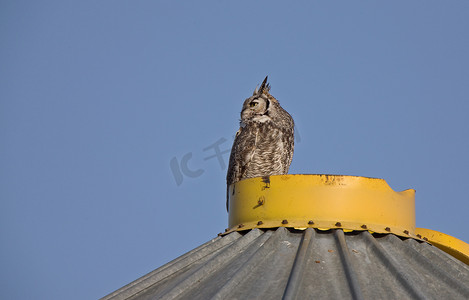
[[252, 104]]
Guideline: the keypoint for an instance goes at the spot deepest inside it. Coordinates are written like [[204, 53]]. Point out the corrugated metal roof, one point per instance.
[[285, 263]]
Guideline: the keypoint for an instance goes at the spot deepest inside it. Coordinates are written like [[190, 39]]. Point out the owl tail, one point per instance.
[[227, 197]]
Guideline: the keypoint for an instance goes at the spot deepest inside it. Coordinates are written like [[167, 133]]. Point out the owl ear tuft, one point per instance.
[[255, 92], [265, 87]]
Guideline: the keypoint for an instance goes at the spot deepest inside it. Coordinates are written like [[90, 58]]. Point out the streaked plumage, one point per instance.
[[264, 143]]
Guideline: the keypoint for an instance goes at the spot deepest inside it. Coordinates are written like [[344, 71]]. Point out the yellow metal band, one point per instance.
[[321, 201], [449, 244], [330, 202]]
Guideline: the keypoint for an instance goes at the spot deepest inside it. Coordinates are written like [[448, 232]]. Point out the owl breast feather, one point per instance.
[[260, 149]]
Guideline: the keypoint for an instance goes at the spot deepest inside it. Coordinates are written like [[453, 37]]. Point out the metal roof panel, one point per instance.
[[286, 263]]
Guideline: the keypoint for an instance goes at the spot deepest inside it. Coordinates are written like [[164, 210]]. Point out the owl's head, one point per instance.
[[258, 106]]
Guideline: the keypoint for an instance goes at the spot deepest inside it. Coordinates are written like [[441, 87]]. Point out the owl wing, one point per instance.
[[242, 152], [288, 140]]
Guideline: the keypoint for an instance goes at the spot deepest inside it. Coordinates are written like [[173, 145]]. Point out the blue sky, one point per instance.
[[97, 98]]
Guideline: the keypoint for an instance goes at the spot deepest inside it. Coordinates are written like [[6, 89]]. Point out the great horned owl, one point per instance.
[[264, 143]]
